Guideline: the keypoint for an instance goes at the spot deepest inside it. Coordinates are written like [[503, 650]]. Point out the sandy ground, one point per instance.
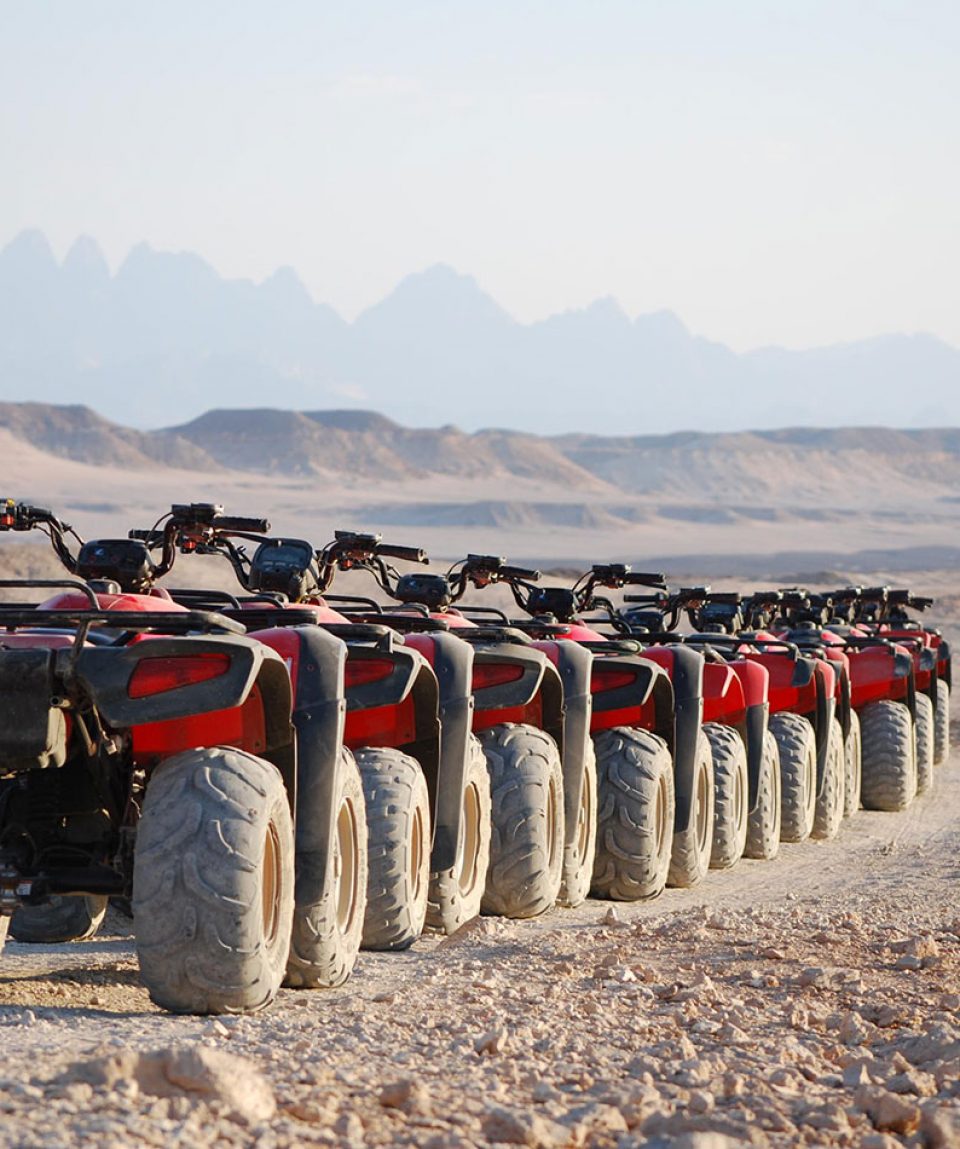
[[710, 504], [810, 1000]]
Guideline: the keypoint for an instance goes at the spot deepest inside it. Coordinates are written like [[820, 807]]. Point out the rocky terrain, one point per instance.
[[854, 498], [813, 1000]]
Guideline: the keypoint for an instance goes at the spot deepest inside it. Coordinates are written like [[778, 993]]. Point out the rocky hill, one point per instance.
[[746, 473], [165, 338]]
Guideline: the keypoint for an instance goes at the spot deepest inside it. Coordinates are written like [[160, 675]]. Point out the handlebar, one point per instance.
[[406, 554], [496, 569], [210, 516], [16, 516]]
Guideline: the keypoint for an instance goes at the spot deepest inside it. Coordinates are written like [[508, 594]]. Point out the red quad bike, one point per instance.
[[882, 612], [735, 713], [809, 710], [389, 724], [507, 748], [655, 785], [153, 751], [530, 720], [935, 682], [882, 693]]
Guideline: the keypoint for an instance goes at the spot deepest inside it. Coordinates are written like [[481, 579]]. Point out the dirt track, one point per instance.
[[781, 1003]]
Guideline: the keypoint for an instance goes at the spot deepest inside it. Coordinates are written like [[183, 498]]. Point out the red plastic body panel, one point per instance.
[[872, 678], [243, 726], [424, 643], [916, 641], [641, 717], [136, 603], [783, 694], [24, 639], [755, 680], [530, 715], [723, 698]]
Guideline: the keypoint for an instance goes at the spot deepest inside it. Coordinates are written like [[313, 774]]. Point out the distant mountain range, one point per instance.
[[167, 338]]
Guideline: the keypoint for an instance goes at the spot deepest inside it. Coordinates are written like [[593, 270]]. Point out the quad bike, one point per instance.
[[506, 746], [530, 720], [154, 751], [735, 712], [883, 612], [654, 767], [935, 682], [389, 721], [811, 714], [882, 687]]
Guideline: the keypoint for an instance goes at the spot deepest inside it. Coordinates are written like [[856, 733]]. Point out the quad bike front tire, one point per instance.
[[763, 825], [691, 848], [637, 809], [853, 765], [398, 848], [889, 756], [797, 745], [941, 749], [327, 933], [926, 736], [580, 847], [213, 882], [526, 841], [832, 795], [731, 807], [456, 893], [61, 919]]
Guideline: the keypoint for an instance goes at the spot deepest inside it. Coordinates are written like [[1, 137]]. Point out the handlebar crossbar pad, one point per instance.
[[235, 523]]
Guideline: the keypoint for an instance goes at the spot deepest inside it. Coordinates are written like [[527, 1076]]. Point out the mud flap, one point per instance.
[[318, 717], [574, 664], [687, 680], [453, 665], [826, 708], [756, 731], [903, 668], [943, 655]]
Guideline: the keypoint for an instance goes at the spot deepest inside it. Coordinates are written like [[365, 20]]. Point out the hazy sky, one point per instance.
[[774, 171]]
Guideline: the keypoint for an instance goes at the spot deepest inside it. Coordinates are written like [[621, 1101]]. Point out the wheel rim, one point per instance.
[[346, 866], [702, 812], [584, 818], [662, 829], [416, 855], [553, 851], [468, 855], [272, 884]]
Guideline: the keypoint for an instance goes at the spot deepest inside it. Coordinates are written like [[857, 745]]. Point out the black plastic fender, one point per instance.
[[453, 666], [410, 673], [649, 680], [104, 672], [943, 655], [755, 728], [687, 680], [574, 663], [318, 717], [802, 670], [539, 676], [903, 668], [826, 708], [845, 709]]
